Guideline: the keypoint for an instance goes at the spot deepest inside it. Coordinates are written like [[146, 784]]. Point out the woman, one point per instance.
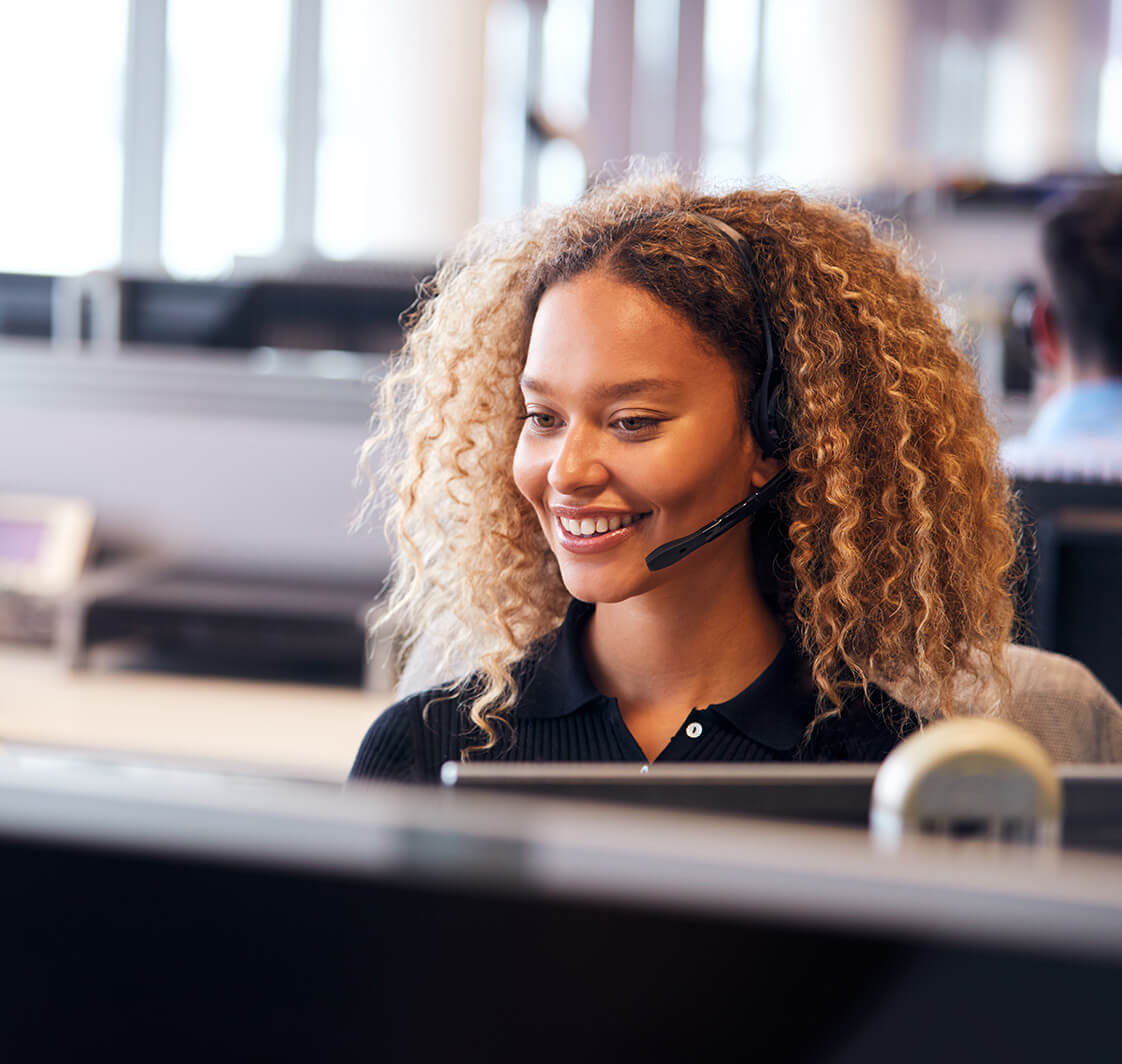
[[603, 380]]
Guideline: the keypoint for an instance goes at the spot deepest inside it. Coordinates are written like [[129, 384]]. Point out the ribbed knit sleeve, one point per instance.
[[388, 750]]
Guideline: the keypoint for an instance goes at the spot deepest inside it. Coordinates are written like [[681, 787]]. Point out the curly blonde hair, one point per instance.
[[897, 538]]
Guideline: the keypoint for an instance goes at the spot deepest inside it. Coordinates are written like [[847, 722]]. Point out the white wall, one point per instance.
[[209, 463]]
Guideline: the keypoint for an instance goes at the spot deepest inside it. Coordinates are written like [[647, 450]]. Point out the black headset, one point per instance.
[[766, 418], [765, 415]]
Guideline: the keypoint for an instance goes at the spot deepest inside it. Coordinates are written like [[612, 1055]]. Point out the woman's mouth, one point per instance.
[[588, 535], [596, 526]]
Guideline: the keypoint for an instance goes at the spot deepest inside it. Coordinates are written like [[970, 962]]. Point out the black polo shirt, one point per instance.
[[561, 716]]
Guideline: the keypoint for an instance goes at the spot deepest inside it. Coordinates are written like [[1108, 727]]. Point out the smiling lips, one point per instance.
[[594, 533], [591, 526]]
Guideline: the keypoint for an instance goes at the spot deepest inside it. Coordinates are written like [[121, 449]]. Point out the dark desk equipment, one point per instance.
[[388, 923], [324, 307], [360, 314], [26, 301], [1077, 605], [1072, 594], [273, 626], [830, 795], [1043, 497]]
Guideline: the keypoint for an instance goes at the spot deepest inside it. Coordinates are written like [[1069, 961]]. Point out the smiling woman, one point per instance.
[[632, 418], [583, 388]]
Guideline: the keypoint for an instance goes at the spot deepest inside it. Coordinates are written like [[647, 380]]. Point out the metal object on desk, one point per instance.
[[981, 782]]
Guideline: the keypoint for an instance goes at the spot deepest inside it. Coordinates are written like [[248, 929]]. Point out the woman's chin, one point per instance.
[[603, 587]]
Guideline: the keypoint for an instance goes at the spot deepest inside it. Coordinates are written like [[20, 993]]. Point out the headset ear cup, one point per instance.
[[778, 428], [761, 423], [768, 418]]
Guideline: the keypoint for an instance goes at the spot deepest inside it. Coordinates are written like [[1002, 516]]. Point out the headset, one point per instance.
[[766, 418]]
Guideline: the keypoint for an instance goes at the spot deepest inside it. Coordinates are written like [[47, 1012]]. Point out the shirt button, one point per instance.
[[693, 729]]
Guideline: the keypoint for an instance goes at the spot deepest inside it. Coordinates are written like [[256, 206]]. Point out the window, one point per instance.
[[224, 165], [1109, 132], [566, 44], [385, 161], [729, 152], [62, 66]]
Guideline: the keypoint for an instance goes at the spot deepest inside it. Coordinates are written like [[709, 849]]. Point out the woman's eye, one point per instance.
[[539, 420], [636, 424]]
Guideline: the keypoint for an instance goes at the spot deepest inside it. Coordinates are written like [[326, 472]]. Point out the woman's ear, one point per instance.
[[764, 470]]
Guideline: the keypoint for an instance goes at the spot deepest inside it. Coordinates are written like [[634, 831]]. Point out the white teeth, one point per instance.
[[594, 526]]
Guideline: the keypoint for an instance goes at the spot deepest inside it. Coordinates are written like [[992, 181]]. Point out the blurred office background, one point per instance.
[[212, 213]]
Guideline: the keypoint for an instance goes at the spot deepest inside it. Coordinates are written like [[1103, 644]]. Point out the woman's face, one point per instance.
[[634, 437]]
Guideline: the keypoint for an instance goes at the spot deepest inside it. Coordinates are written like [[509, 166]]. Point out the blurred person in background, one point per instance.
[[1078, 337]]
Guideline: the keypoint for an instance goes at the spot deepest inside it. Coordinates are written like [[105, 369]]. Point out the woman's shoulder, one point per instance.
[[866, 728], [1056, 699], [410, 739]]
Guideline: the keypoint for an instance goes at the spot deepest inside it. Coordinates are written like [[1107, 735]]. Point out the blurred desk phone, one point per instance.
[[44, 544]]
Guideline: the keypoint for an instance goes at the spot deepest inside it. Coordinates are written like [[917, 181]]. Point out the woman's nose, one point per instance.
[[578, 463]]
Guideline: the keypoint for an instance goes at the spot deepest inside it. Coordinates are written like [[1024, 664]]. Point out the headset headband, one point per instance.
[[765, 416]]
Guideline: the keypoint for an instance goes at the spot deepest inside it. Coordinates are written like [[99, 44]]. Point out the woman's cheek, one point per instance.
[[523, 470]]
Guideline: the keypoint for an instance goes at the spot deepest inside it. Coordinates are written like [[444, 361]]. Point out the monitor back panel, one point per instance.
[[833, 795], [112, 955]]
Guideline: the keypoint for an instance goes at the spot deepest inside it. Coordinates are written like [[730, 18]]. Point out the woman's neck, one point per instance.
[[693, 643]]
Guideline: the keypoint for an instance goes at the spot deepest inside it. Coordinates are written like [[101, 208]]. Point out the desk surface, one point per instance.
[[286, 726]]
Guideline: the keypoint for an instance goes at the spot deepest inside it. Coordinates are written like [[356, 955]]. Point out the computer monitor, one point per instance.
[[1068, 599], [360, 314], [1077, 599], [827, 794], [833, 794], [394, 924], [26, 304]]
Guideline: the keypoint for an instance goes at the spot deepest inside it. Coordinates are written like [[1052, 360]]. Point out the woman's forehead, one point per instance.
[[613, 333]]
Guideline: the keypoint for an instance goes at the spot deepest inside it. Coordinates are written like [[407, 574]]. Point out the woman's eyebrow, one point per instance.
[[609, 391]]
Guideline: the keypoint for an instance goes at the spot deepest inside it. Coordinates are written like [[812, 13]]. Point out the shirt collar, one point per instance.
[[559, 683], [774, 710]]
